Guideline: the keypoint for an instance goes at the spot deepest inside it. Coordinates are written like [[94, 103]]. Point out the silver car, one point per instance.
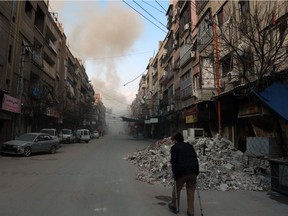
[[29, 143]]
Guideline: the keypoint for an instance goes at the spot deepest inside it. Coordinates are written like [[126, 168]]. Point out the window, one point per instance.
[[14, 10], [47, 138], [28, 8], [10, 53], [205, 33], [220, 18], [244, 8], [227, 64], [40, 138], [248, 63], [283, 30]]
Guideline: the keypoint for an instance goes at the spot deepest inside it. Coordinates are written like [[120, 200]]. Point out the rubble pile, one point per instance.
[[224, 168], [221, 166], [154, 163]]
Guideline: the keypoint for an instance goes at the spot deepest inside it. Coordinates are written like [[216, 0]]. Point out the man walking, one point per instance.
[[185, 168]]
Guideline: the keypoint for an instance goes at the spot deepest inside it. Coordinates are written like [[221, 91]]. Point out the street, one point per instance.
[[93, 178]]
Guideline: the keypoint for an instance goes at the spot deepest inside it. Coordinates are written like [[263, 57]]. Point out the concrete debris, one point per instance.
[[221, 166]]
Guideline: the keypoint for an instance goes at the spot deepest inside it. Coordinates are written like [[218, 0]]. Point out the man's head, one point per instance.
[[178, 137]]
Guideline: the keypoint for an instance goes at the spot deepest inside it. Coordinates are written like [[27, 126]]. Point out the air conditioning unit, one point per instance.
[[193, 54], [173, 19], [222, 83], [186, 26], [195, 93], [232, 76]]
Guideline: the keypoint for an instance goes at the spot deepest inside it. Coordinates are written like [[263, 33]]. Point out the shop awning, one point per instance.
[[131, 119], [276, 97]]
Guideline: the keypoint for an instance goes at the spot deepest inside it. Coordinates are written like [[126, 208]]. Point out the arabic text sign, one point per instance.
[[11, 104]]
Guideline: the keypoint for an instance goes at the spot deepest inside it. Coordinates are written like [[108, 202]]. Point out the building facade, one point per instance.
[[218, 58], [41, 84]]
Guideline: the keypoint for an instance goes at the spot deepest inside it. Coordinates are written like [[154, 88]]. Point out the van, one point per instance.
[[66, 136], [83, 135], [51, 131]]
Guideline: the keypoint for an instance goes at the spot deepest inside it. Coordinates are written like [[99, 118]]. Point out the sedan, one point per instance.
[[29, 143]]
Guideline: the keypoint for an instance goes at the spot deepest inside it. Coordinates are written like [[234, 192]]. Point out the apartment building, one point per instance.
[[219, 57], [42, 84]]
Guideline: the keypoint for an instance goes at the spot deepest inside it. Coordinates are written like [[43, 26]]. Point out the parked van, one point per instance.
[[66, 136], [83, 135], [51, 131]]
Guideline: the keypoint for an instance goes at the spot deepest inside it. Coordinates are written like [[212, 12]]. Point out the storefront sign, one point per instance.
[[147, 121], [191, 119], [153, 120], [50, 111], [250, 110], [11, 104]]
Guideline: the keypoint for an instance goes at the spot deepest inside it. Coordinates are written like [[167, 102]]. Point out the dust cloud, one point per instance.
[[97, 33]]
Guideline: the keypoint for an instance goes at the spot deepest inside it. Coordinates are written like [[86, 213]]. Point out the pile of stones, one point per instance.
[[221, 166]]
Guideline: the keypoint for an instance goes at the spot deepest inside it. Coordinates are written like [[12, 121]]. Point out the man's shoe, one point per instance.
[[172, 208]]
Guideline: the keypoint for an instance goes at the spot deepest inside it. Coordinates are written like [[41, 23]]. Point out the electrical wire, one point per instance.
[[134, 78], [144, 16], [153, 7], [149, 13], [159, 4]]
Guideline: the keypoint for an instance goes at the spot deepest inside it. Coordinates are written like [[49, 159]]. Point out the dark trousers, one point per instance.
[[190, 181]]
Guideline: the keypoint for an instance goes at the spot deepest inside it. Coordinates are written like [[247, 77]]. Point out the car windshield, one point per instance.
[[27, 137], [66, 131]]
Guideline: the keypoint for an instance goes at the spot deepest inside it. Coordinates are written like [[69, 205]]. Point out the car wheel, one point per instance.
[[27, 151], [52, 150]]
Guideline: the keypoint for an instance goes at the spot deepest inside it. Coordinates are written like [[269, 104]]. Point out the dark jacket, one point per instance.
[[184, 159]]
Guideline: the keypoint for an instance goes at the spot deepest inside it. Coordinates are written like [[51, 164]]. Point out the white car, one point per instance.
[[95, 134]]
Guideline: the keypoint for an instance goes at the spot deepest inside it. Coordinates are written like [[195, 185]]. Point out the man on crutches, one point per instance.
[[185, 169]]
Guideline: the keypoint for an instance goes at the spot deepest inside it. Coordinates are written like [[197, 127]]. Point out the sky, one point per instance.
[[115, 41]]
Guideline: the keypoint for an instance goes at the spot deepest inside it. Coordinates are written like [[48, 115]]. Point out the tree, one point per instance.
[[255, 39]]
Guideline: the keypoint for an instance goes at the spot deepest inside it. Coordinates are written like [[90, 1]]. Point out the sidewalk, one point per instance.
[[238, 203]]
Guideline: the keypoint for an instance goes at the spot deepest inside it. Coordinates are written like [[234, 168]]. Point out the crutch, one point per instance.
[[176, 196], [201, 210]]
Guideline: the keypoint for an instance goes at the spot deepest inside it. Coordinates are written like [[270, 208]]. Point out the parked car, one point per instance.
[[95, 135], [83, 135], [51, 131], [66, 136], [29, 143]]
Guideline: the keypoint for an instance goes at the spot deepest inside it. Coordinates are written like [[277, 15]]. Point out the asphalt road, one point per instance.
[[88, 179], [80, 179]]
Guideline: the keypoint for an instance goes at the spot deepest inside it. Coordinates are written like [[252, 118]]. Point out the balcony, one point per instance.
[[170, 75], [185, 54], [49, 69]]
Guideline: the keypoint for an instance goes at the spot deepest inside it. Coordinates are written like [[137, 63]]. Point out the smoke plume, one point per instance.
[[97, 32]]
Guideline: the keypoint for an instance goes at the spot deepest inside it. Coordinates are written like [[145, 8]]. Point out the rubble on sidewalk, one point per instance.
[[221, 166]]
